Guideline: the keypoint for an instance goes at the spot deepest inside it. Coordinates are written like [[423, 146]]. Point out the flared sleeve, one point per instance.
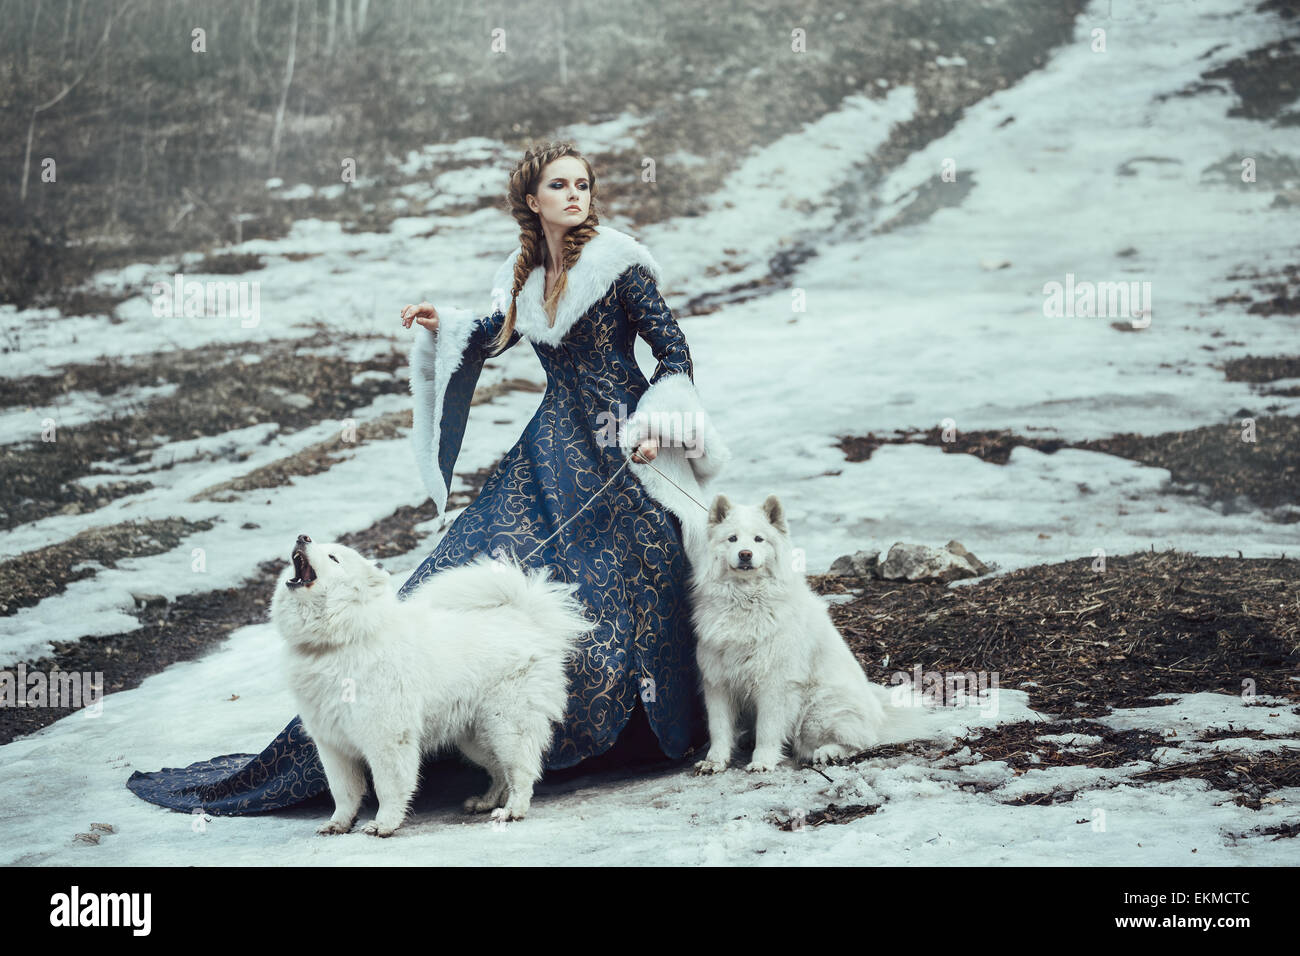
[[691, 451], [445, 368]]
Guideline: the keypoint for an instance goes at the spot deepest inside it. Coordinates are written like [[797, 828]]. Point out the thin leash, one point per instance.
[[597, 492]]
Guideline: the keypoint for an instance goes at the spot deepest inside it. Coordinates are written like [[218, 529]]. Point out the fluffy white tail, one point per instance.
[[549, 606]]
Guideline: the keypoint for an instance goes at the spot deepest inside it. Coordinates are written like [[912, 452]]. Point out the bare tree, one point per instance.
[[564, 52], [31, 44], [284, 92], [40, 108], [252, 33], [67, 25]]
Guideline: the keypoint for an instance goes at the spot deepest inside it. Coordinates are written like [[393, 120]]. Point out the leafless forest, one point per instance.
[[160, 121]]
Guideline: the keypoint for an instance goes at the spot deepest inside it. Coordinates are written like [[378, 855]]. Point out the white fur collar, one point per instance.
[[603, 259]]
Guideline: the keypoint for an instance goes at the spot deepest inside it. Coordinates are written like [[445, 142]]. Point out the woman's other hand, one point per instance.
[[424, 313], [646, 451]]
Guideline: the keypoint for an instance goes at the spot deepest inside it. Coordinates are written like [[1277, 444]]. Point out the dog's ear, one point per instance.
[[721, 505], [775, 513]]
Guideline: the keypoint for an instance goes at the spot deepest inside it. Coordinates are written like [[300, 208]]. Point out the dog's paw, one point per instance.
[[503, 814], [710, 766], [829, 754], [761, 765], [374, 828], [334, 826], [479, 805]]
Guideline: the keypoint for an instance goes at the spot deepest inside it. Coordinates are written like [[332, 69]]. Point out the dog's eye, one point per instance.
[[732, 538], [757, 538], [334, 559]]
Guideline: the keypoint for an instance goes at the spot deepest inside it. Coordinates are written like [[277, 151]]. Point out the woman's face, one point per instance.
[[563, 186]]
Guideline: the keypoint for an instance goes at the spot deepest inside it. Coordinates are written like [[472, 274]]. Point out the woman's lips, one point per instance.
[[574, 208]]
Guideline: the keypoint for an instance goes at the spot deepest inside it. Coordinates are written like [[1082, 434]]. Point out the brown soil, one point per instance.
[[1262, 368], [219, 390], [1213, 461], [1277, 292], [1090, 640], [29, 578], [313, 460]]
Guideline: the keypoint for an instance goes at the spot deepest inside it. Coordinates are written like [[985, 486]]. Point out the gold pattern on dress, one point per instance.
[[624, 550]]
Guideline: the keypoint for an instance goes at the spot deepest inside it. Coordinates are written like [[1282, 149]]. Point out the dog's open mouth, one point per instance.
[[303, 574]]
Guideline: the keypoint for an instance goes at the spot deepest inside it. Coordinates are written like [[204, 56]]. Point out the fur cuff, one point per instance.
[[434, 358], [671, 409], [691, 453]]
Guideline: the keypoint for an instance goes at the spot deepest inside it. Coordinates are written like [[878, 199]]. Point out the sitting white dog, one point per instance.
[[770, 656], [475, 658]]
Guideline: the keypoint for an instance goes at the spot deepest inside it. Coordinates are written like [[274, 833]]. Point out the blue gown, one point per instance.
[[627, 551]]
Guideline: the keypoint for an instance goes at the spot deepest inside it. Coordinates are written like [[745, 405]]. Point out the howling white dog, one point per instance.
[[475, 658], [770, 656]]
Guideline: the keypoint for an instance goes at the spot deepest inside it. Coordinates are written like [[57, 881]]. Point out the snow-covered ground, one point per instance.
[[902, 328]]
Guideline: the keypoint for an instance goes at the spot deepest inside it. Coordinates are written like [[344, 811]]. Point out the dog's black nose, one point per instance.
[[302, 538], [746, 555]]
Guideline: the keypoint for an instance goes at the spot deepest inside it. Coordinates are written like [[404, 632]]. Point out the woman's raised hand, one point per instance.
[[424, 313]]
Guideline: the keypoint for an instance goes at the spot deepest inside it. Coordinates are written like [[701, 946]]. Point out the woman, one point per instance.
[[612, 502]]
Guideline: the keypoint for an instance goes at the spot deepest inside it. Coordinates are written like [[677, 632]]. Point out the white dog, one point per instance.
[[769, 654], [474, 658]]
